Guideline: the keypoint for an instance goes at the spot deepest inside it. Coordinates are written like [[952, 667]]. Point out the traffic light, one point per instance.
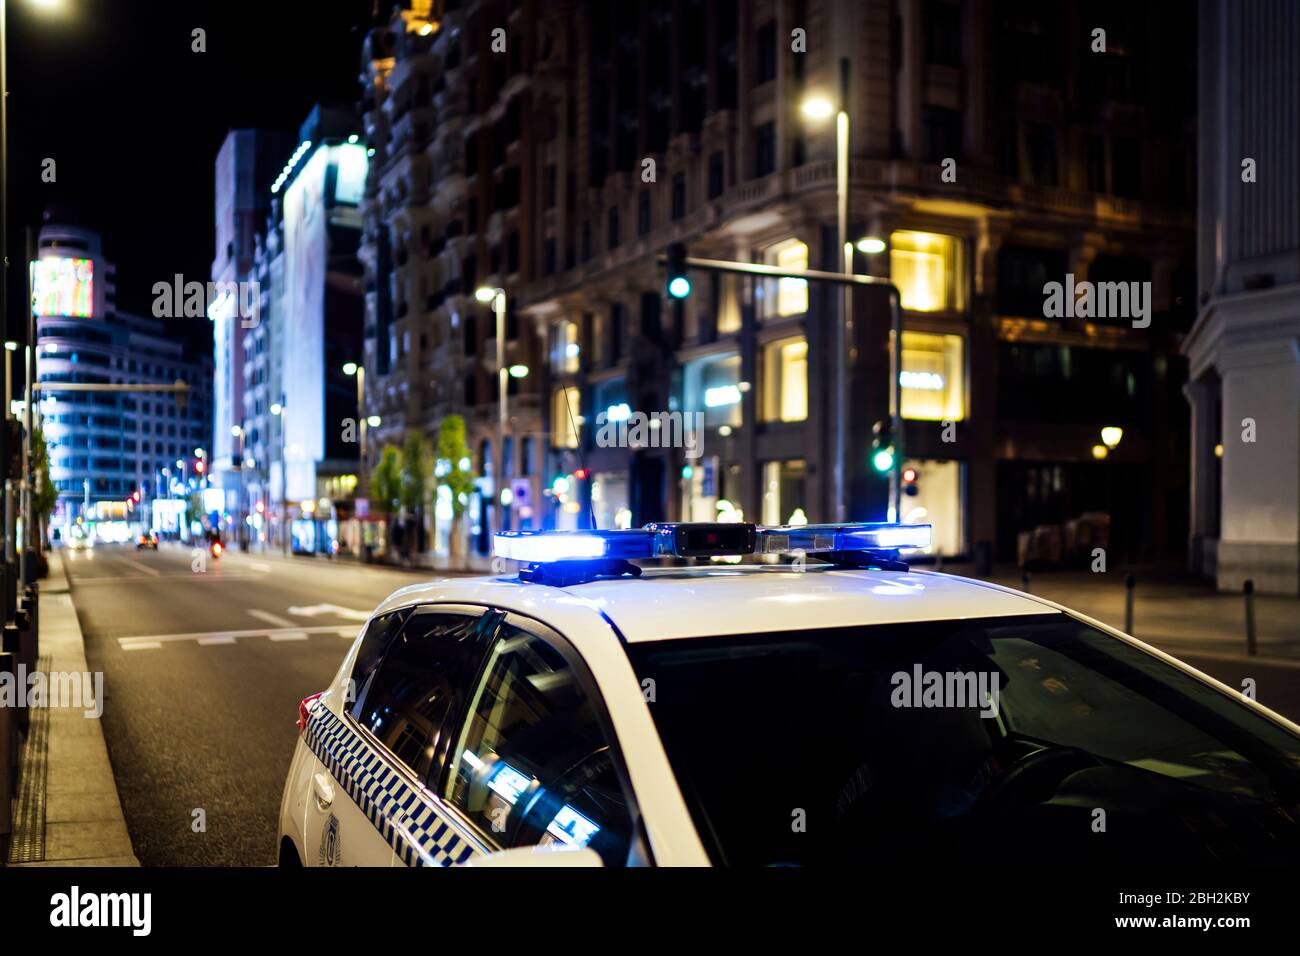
[[909, 481], [199, 466], [882, 447], [135, 496], [679, 283]]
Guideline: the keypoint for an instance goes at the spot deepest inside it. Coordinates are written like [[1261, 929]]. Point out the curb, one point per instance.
[[75, 816]]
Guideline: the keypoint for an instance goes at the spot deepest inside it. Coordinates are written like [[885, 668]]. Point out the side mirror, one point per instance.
[[553, 854]]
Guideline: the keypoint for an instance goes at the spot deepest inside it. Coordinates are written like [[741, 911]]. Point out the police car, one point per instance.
[[769, 696]]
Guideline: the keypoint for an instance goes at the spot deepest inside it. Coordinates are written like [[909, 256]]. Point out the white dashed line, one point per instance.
[[266, 617]]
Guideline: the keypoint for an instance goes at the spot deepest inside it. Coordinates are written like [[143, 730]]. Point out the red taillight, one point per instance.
[[304, 710], [216, 548]]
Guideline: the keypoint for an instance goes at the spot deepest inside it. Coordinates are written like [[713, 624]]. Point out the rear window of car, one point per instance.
[[379, 633]]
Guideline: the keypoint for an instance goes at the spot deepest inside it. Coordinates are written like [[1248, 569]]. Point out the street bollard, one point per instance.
[[1024, 581], [1129, 585], [33, 607], [1248, 589]]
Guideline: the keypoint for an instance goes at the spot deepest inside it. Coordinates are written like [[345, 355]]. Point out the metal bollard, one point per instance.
[[1130, 583], [1024, 581], [1248, 589]]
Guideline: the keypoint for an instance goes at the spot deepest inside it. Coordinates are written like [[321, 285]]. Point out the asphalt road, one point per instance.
[[203, 672]]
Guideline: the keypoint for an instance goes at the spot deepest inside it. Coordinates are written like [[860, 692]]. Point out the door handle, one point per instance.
[[324, 791]]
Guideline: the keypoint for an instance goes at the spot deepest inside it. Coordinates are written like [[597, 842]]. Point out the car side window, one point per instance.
[[379, 632], [532, 763], [418, 686]]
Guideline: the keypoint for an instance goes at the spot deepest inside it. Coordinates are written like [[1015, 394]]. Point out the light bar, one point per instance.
[[703, 539], [862, 536]]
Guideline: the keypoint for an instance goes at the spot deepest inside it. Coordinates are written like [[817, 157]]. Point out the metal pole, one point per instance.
[[844, 325], [9, 530], [29, 478], [896, 401], [284, 486], [1130, 584], [361, 412], [499, 305], [1248, 589]]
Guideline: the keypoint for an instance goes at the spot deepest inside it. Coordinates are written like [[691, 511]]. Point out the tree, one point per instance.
[[386, 484], [417, 466], [45, 495], [456, 472]]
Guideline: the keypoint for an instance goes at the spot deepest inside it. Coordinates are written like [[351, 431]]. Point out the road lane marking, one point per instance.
[[259, 566], [155, 641], [190, 575], [153, 572], [316, 610], [288, 636], [266, 617]]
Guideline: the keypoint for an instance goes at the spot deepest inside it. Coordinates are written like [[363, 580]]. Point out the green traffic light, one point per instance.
[[883, 460], [679, 287]]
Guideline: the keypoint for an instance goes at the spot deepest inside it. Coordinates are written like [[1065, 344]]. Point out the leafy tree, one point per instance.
[[417, 467], [45, 495], [454, 450], [386, 483]]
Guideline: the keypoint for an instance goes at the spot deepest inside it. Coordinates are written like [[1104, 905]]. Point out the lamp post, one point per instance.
[[818, 108], [352, 368], [278, 410], [498, 299], [237, 431]]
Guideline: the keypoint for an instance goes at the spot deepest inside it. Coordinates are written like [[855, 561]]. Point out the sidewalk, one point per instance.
[[68, 812], [1171, 610]]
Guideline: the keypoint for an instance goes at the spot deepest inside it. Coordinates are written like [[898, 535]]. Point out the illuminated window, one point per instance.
[[932, 495], [565, 410], [565, 351], [925, 268], [785, 380], [784, 492], [933, 377], [728, 304], [781, 297]]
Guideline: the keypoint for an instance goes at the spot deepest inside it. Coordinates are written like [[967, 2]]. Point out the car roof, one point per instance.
[[671, 603]]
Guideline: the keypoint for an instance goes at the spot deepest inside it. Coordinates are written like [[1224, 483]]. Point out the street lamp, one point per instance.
[[352, 368], [820, 108], [1111, 435], [497, 297], [278, 410]]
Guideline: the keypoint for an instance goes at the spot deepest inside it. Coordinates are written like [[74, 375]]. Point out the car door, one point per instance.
[[535, 760], [409, 685]]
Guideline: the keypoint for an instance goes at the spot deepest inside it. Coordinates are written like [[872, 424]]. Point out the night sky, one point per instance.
[[112, 91]]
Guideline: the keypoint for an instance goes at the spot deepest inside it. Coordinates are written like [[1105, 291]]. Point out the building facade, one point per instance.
[[993, 148], [1244, 350], [299, 430], [112, 454], [247, 163]]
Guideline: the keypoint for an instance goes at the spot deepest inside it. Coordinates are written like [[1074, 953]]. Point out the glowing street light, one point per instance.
[[1111, 435], [871, 245]]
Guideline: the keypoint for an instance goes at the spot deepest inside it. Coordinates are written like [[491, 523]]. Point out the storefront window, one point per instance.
[[728, 304], [782, 297], [784, 492], [926, 268], [932, 379], [566, 406], [932, 495], [712, 385], [785, 380], [609, 501]]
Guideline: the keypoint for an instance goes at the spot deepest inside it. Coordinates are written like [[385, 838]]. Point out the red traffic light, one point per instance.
[[199, 466], [909, 475], [135, 496], [580, 474]]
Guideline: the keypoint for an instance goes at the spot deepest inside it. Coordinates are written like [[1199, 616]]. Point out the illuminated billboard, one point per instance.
[[63, 286]]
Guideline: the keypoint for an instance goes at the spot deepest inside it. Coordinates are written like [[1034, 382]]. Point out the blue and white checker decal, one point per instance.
[[401, 814]]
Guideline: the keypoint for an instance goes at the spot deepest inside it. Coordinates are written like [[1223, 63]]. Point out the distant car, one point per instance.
[[79, 540], [592, 712], [147, 540]]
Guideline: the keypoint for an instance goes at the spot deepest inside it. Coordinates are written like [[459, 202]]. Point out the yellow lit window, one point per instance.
[[783, 297], [729, 305], [924, 266], [933, 377], [785, 380], [565, 409]]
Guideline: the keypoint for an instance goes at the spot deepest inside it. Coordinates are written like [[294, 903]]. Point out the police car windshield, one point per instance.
[[1006, 737]]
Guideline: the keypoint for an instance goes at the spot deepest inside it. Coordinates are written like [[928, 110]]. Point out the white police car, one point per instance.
[[590, 711]]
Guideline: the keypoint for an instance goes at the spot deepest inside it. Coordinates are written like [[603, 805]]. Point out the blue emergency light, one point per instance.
[[573, 556]]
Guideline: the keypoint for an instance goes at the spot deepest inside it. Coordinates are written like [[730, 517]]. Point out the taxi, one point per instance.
[[726, 694]]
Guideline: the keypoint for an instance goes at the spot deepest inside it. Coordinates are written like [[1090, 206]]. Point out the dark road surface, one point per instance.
[[203, 672]]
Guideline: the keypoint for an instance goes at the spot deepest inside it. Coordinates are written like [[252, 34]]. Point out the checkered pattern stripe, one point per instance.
[[401, 814]]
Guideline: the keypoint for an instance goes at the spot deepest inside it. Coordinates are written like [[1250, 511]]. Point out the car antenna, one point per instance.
[[568, 407]]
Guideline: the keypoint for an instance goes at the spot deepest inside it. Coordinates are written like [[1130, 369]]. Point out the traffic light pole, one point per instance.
[[849, 280]]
